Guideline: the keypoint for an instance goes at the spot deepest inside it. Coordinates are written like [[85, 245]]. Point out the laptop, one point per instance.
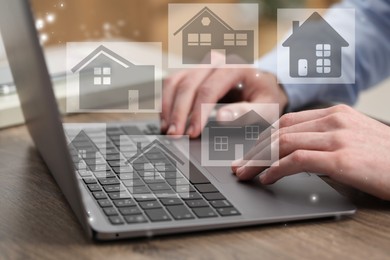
[[106, 209]]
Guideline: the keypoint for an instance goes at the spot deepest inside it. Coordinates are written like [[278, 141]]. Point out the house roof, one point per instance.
[[150, 146], [315, 28], [249, 118], [95, 53], [207, 10]]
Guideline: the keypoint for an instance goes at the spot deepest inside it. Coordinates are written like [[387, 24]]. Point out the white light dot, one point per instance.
[[50, 18], [106, 26], [314, 198], [44, 38], [62, 4], [240, 85], [257, 75], [39, 24]]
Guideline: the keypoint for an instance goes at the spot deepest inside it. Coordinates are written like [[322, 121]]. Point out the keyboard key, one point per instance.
[[180, 181], [116, 220], [119, 195], [171, 175], [89, 180], [165, 193], [184, 189], [171, 201], [128, 176], [97, 161], [114, 188], [190, 196], [102, 175], [205, 212], [196, 203], [150, 204], [180, 212], [124, 203], [220, 203], [85, 173], [110, 211], [157, 215], [166, 168], [100, 168], [214, 196], [159, 186], [228, 211], [133, 183], [94, 187], [154, 179], [196, 177], [130, 211], [105, 203], [117, 164], [99, 195], [204, 188], [123, 169], [139, 190], [144, 197], [148, 175], [109, 181], [135, 219]]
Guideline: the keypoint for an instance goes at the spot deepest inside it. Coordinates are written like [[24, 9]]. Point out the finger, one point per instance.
[[308, 115], [250, 168], [318, 125], [299, 161], [233, 111], [288, 144], [170, 84], [211, 90], [183, 99]]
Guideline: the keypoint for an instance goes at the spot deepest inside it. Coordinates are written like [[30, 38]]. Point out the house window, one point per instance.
[[102, 76], [221, 143], [228, 39], [239, 39], [205, 39], [323, 63], [252, 132], [196, 39], [193, 39]]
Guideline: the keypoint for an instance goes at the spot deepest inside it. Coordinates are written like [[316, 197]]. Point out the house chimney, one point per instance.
[[139, 147], [295, 26]]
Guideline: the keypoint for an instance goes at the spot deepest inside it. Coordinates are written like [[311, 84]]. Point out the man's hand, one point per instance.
[[340, 142], [186, 91]]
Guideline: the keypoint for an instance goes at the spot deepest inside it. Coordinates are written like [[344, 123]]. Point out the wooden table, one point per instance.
[[36, 222]]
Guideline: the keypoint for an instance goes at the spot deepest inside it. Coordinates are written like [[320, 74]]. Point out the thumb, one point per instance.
[[233, 111], [230, 112]]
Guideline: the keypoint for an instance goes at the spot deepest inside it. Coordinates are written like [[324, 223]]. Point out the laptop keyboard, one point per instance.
[[137, 194]]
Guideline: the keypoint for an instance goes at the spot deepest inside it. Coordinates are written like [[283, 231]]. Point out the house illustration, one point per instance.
[[232, 140], [315, 49], [155, 157], [82, 150], [206, 31], [115, 79]]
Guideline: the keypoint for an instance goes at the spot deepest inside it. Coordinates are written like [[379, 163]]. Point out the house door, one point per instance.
[[302, 67]]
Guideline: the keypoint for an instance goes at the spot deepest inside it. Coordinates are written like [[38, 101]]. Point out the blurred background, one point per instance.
[[139, 20], [61, 21]]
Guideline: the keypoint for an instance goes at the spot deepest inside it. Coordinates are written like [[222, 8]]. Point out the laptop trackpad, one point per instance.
[[221, 174]]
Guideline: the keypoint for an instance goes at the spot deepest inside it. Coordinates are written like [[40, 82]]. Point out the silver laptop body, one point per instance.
[[290, 199]]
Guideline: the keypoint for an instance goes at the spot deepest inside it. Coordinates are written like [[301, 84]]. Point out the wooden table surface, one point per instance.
[[37, 223]]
